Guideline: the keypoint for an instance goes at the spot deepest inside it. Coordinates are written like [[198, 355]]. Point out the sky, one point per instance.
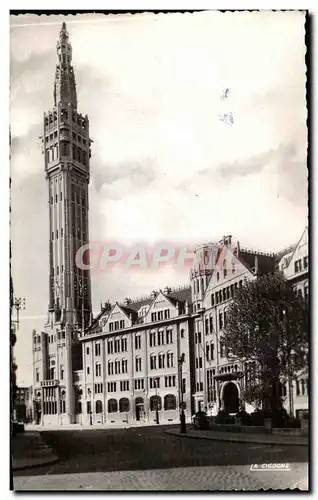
[[164, 165]]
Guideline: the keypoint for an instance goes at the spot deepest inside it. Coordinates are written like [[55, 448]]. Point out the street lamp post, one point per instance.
[[90, 407], [157, 409], [18, 304], [183, 428]]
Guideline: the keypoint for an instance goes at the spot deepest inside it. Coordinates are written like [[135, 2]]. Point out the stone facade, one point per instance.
[[136, 355]]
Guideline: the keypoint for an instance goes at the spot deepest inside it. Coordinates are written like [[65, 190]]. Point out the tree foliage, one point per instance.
[[267, 322]]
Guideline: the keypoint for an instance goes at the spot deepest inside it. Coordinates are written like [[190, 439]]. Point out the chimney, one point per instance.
[[127, 301], [256, 265], [187, 307]]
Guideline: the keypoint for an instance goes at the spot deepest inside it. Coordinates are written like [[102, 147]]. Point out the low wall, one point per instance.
[[287, 432], [248, 429]]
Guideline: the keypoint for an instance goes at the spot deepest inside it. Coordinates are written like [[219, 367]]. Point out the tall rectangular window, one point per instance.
[[220, 321], [138, 342], [138, 364]]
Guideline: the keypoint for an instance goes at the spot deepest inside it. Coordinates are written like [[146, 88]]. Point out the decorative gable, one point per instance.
[[228, 269], [117, 319], [299, 261], [161, 308]]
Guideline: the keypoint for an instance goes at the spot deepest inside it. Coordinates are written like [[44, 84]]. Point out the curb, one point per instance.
[[32, 462], [36, 464], [233, 439]]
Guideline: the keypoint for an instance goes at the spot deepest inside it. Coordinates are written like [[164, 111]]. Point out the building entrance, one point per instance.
[[231, 398], [140, 410]]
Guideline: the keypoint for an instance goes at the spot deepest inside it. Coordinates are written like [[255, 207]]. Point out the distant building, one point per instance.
[[24, 404]]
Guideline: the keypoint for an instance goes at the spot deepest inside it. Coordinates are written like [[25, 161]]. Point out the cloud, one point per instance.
[[139, 175]]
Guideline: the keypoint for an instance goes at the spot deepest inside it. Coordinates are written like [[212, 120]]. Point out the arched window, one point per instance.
[[169, 359], [161, 360], [117, 366], [124, 405], [155, 402], [211, 323], [110, 368], [170, 402], [112, 406], [224, 268], [99, 407], [124, 365]]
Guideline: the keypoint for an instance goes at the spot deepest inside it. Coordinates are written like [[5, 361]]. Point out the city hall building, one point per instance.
[[138, 360]]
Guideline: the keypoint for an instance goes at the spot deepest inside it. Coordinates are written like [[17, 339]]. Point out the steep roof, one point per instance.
[[288, 252], [266, 262], [181, 295]]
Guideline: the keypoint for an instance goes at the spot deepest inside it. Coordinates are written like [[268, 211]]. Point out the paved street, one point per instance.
[[150, 450]]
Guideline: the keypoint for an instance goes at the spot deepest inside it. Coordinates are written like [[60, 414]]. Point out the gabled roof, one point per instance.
[[100, 315], [288, 252], [135, 306], [181, 295], [298, 243], [266, 262]]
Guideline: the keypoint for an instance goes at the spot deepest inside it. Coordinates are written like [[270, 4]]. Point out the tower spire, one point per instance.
[[64, 85]]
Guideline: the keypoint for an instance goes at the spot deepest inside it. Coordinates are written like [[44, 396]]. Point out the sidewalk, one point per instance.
[[241, 438], [103, 426], [28, 449], [206, 478]]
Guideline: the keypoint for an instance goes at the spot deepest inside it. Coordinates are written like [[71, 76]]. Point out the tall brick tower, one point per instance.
[[66, 148]]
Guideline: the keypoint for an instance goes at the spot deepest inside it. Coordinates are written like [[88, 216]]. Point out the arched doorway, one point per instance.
[[139, 408], [231, 398]]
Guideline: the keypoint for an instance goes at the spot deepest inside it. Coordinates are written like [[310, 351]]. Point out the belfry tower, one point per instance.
[[66, 148], [67, 152]]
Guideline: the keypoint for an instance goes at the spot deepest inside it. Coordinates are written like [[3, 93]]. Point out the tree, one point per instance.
[[267, 323]]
